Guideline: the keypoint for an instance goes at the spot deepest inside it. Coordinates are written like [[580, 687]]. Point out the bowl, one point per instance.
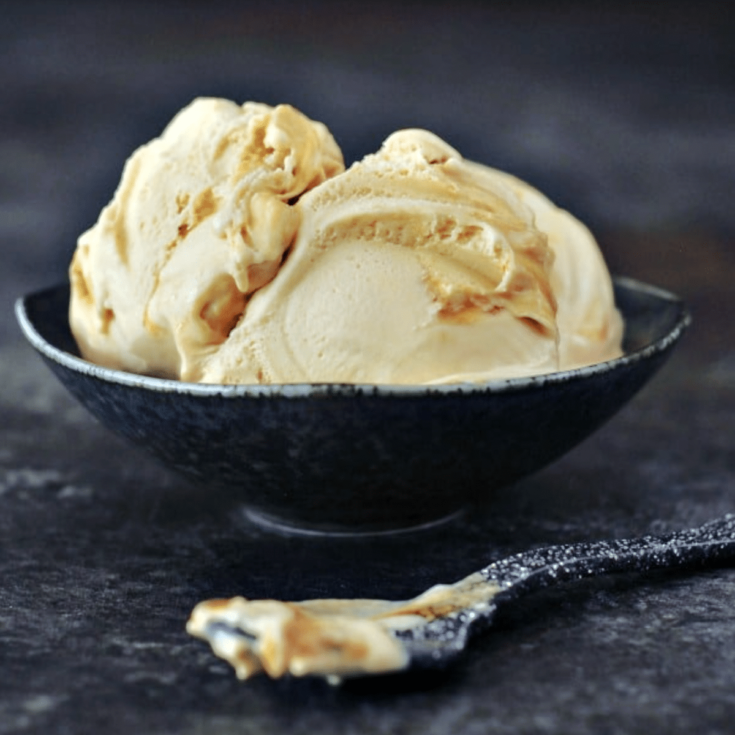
[[338, 458]]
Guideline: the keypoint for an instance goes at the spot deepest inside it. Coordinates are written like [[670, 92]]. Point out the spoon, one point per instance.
[[340, 638]]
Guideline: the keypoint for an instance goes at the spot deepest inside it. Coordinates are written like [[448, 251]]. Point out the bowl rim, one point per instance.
[[301, 390]]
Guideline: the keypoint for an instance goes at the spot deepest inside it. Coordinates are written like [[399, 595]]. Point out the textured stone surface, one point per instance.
[[626, 116]]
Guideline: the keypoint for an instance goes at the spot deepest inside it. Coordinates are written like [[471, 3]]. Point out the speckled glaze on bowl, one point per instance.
[[361, 458]]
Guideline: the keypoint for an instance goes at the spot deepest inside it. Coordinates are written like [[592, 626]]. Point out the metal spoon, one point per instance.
[[339, 638]]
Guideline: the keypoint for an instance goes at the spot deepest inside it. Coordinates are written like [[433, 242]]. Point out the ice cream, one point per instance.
[[333, 638], [201, 219], [238, 250]]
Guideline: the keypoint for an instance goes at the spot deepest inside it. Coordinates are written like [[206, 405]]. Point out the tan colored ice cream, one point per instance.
[[416, 266], [590, 327], [413, 266], [201, 219]]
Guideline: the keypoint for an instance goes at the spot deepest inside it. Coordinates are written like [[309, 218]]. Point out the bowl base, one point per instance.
[[279, 525]]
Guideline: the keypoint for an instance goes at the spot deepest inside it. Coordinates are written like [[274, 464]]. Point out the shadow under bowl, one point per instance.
[[361, 458]]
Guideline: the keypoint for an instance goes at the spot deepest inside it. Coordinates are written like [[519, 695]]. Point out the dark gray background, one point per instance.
[[622, 112]]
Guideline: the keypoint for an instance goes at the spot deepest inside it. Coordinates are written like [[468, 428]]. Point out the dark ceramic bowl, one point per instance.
[[361, 458]]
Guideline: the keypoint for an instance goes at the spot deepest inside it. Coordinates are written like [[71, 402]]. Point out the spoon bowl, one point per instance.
[[338, 458]]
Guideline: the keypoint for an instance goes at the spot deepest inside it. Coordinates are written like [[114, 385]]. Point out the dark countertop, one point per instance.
[[626, 115]]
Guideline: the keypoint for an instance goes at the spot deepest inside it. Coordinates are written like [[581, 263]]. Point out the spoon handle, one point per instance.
[[534, 570]]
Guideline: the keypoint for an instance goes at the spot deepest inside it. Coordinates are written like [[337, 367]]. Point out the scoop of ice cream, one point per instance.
[[416, 266], [201, 218], [590, 327]]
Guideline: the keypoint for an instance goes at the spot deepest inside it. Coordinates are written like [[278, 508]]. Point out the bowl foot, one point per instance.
[[279, 525]]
